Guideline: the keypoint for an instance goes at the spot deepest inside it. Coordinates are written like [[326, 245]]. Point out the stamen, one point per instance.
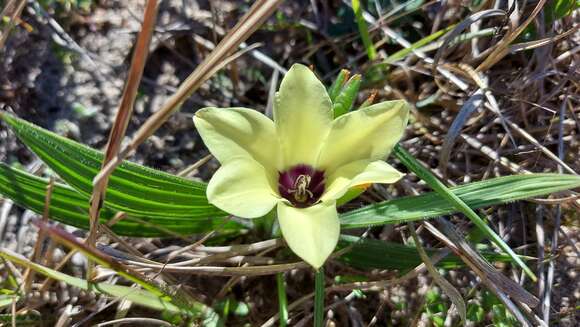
[[300, 190]]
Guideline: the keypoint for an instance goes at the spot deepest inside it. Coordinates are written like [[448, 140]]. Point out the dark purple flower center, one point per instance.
[[302, 185]]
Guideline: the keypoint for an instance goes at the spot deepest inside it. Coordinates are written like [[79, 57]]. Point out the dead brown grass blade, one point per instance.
[[125, 110], [503, 47], [487, 273], [447, 288], [256, 16], [61, 236], [542, 42], [503, 287], [16, 11]]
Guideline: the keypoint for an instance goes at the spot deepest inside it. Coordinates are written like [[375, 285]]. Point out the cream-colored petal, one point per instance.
[[303, 115], [312, 233], [359, 173], [238, 132], [240, 187], [366, 134]]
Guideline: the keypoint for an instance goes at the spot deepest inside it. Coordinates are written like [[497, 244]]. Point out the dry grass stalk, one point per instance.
[[16, 9], [259, 12], [36, 254], [502, 48], [124, 112]]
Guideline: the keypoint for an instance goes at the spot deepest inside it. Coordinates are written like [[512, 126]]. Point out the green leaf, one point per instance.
[[476, 195], [425, 174], [8, 299], [345, 99], [134, 189], [338, 83], [29, 318], [376, 254], [364, 30], [70, 207], [475, 312], [401, 54]]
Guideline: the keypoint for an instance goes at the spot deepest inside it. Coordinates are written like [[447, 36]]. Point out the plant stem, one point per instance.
[[319, 298], [282, 302]]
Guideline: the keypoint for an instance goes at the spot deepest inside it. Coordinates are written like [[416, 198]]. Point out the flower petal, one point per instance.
[[303, 115], [241, 188], [238, 132], [312, 233], [366, 134], [359, 173]]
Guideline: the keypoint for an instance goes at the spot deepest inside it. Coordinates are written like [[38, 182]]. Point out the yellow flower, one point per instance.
[[301, 162]]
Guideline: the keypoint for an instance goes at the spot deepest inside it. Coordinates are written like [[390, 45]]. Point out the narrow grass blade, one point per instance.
[[401, 54], [7, 299], [190, 307], [473, 103], [423, 173], [502, 48], [138, 296], [476, 195], [364, 30]]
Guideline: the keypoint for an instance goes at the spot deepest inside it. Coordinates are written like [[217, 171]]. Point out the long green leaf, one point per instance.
[[70, 207], [134, 189], [476, 195], [376, 254]]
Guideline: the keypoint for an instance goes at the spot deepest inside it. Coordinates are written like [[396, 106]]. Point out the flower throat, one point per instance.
[[302, 185]]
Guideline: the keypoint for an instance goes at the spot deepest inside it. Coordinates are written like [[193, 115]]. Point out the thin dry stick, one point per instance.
[[236, 279], [29, 274], [554, 246], [44, 287], [258, 13], [135, 321], [166, 278], [15, 13], [189, 170], [124, 113]]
